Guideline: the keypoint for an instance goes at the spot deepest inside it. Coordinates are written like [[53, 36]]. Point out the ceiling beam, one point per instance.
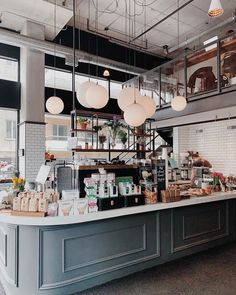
[[19, 40]]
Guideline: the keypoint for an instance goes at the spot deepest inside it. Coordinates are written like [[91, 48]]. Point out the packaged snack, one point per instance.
[[52, 209], [92, 205], [33, 204], [66, 208], [43, 205], [24, 204], [68, 195], [17, 203], [81, 206]]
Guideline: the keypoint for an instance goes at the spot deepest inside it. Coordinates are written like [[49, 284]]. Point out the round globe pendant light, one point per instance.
[[148, 104], [82, 91], [178, 103], [97, 96], [54, 105], [127, 96], [215, 8], [134, 115]]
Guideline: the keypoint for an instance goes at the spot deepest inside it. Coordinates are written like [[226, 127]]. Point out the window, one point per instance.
[[11, 129], [60, 132], [8, 121], [8, 69], [58, 79], [115, 89]]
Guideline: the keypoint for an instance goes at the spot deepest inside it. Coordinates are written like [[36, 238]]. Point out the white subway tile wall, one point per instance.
[[32, 140], [215, 141]]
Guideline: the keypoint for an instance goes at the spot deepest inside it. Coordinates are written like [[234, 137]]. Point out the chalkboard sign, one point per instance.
[[64, 178], [159, 173]]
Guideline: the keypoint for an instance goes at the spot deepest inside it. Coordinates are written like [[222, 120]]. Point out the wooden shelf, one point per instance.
[[110, 150], [83, 130], [107, 167], [101, 115]]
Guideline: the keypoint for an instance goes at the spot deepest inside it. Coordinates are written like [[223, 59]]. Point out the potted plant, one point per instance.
[[83, 122], [102, 138], [113, 127], [123, 137]]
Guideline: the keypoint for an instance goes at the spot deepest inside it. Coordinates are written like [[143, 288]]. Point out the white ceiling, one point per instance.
[[193, 19], [113, 14], [14, 14]]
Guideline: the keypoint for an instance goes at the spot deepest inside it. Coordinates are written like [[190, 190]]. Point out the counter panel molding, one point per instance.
[[62, 256], [3, 246], [84, 251], [9, 253], [198, 225]]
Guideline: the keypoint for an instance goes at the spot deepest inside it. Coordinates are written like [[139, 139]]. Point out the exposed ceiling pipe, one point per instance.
[[122, 42], [190, 40], [161, 21], [16, 39]]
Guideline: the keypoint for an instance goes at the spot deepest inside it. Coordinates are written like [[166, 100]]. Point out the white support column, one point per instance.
[[32, 126]]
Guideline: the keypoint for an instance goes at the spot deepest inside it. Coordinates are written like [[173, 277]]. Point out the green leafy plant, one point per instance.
[[123, 136], [113, 127], [82, 120]]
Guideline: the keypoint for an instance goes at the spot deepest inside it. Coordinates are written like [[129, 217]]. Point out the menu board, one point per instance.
[[160, 174], [64, 178]]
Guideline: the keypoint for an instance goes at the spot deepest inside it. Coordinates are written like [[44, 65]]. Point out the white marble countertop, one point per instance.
[[60, 220]]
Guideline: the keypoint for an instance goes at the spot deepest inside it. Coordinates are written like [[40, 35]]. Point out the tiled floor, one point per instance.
[[209, 273]]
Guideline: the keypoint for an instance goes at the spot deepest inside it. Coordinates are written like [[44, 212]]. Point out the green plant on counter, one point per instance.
[[122, 134]]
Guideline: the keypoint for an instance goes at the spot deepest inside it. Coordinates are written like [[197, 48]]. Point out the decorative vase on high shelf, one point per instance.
[[102, 139]]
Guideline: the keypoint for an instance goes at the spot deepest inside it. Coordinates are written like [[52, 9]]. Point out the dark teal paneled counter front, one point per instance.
[[66, 258]]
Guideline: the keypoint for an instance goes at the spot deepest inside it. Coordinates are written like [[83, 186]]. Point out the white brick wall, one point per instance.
[[214, 141], [32, 140]]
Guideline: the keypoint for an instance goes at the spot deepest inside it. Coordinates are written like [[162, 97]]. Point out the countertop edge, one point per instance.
[[59, 220]]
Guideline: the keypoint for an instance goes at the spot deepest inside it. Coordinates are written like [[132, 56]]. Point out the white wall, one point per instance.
[[214, 141]]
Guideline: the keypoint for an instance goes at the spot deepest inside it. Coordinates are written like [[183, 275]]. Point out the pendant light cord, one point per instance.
[[74, 59], [96, 29], [178, 41], [54, 59], [134, 51]]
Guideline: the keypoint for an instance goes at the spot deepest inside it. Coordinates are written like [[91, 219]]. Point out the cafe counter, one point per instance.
[[64, 255]]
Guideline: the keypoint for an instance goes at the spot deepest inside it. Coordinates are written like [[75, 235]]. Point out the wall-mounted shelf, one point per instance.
[[110, 150]]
